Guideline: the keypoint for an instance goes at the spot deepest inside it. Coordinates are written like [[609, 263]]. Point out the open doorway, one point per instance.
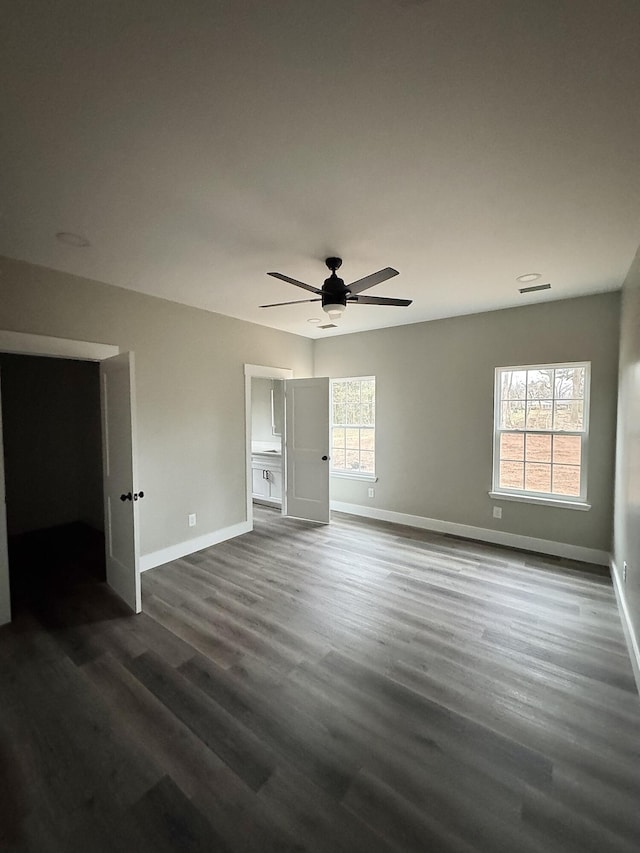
[[304, 445], [120, 497], [267, 430], [264, 415], [53, 476]]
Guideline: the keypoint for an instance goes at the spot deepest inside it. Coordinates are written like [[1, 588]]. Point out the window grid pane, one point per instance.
[[538, 447], [566, 480], [338, 458], [512, 447], [537, 477], [511, 475]]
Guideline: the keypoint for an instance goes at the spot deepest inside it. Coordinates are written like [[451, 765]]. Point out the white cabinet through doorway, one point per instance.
[[266, 478]]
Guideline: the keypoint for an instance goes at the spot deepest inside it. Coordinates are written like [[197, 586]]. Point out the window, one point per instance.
[[541, 431], [353, 407]]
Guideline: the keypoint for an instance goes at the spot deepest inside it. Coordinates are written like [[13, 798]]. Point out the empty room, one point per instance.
[[319, 427]]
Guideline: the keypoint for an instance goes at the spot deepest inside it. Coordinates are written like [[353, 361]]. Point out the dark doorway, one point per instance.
[[53, 476]]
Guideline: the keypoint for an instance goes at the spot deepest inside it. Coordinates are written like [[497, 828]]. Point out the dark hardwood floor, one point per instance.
[[358, 687]]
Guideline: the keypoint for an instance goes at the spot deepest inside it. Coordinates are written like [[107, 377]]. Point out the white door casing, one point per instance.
[[117, 388], [5, 594], [307, 448]]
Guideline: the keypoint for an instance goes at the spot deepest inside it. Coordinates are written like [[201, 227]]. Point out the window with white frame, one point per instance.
[[541, 431], [353, 430]]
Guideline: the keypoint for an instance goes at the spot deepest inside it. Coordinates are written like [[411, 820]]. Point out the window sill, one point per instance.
[[532, 499], [371, 478]]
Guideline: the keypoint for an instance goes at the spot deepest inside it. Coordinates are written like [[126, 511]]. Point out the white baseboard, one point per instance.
[[183, 549], [630, 635], [467, 531]]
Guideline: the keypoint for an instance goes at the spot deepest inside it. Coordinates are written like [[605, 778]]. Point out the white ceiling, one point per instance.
[[200, 144]]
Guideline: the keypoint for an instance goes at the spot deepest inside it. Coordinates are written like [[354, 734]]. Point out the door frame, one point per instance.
[[258, 371], [21, 343]]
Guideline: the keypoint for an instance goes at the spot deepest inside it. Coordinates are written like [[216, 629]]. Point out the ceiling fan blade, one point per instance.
[[379, 300], [294, 281], [370, 280], [295, 302]]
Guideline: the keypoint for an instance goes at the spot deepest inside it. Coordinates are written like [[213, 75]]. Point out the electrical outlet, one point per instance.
[[497, 512], [192, 519], [372, 493], [624, 571]]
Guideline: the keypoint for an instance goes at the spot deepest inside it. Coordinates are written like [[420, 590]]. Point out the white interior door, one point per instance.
[[121, 501], [307, 448], [5, 593]]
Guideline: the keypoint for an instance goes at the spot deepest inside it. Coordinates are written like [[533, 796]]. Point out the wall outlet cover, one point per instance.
[[192, 519], [497, 512], [372, 493]]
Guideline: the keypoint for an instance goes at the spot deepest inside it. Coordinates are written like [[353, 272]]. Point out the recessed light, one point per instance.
[[529, 276], [70, 239], [313, 320]]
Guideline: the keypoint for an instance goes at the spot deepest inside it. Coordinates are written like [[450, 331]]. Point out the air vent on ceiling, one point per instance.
[[328, 326], [534, 287]]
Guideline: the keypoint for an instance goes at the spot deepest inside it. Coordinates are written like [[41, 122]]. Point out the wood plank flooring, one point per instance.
[[358, 687]]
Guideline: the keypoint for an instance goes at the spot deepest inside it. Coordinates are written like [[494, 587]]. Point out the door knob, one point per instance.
[[324, 458], [126, 497]]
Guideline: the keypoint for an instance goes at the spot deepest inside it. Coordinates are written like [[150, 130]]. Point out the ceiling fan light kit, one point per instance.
[[334, 293], [335, 310]]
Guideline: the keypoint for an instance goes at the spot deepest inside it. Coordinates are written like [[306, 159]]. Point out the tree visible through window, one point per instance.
[[541, 430], [353, 407]]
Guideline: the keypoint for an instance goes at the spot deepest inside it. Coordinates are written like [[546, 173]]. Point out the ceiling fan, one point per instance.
[[334, 293]]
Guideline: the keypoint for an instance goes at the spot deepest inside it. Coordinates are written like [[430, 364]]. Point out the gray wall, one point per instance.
[[190, 388], [627, 504], [52, 442], [434, 412]]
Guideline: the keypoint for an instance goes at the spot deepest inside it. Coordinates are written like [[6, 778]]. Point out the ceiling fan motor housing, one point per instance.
[[334, 291]]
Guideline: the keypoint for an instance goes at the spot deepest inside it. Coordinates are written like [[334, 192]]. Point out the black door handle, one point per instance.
[[324, 458], [126, 497], [137, 495]]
